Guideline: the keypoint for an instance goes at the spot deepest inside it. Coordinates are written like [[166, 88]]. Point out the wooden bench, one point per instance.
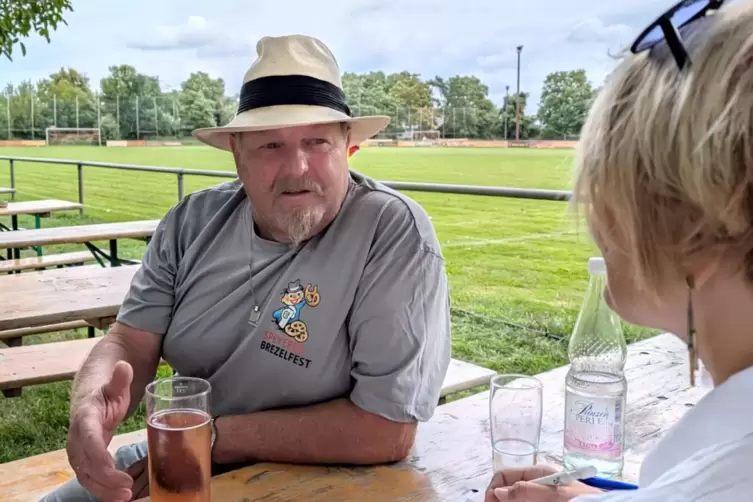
[[81, 234], [658, 396], [42, 363], [28, 479], [463, 376], [57, 361], [48, 328], [42, 262], [14, 337], [38, 208]]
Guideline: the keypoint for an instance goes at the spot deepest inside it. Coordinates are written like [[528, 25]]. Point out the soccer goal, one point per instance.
[[73, 136], [428, 135]]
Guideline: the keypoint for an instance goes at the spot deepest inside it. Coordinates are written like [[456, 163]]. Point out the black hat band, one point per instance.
[[277, 90]]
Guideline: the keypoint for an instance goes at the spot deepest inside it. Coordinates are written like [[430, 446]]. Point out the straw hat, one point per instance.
[[294, 81]]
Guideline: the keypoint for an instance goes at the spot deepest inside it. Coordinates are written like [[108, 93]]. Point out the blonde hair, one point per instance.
[[665, 160]]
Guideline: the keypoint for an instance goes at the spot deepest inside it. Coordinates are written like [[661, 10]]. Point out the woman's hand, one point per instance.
[[512, 485]]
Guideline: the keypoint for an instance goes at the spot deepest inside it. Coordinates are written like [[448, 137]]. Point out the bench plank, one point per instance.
[[43, 363], [36, 330], [56, 361], [462, 376], [77, 234], [50, 260], [38, 207], [61, 295]]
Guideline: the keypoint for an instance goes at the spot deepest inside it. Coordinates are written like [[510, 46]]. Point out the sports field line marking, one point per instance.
[[487, 242]]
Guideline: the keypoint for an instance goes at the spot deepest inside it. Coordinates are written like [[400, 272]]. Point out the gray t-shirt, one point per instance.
[[361, 310]]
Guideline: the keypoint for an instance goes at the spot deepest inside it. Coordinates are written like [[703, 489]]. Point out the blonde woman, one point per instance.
[[665, 180]]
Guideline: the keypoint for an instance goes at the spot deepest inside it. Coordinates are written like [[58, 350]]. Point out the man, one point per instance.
[[314, 300]]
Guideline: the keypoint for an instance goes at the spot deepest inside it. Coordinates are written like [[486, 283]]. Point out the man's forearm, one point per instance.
[[332, 432]]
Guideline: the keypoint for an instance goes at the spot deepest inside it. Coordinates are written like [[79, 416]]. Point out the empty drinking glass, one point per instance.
[[515, 409]]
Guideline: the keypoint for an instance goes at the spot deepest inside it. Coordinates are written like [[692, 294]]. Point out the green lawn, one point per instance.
[[517, 268]]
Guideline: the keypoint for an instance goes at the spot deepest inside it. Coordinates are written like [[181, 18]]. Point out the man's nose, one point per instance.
[[296, 163]]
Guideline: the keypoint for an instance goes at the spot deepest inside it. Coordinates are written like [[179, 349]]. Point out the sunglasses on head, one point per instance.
[[667, 28]]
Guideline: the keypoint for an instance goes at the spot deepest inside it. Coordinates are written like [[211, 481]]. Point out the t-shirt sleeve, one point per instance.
[[148, 305], [400, 327]]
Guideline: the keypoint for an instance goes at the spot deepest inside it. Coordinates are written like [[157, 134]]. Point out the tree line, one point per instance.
[[128, 104]]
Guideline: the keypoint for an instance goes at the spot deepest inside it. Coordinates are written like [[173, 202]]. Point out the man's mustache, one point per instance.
[[296, 185]]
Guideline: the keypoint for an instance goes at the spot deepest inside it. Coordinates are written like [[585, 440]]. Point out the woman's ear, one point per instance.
[[703, 266]]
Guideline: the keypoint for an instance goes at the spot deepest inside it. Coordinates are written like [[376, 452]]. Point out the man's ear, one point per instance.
[[234, 139]]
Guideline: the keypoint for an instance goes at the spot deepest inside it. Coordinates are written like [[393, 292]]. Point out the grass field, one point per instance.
[[517, 268]]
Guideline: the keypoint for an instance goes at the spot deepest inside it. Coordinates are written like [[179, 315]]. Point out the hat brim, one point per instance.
[[277, 117]]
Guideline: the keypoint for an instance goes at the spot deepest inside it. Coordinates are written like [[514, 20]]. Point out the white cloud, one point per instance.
[[430, 37], [593, 30], [192, 34]]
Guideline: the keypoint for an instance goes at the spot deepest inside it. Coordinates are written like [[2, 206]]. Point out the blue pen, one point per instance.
[[586, 475], [608, 484]]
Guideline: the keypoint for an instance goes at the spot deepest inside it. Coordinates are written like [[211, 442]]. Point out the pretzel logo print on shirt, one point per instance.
[[288, 317]]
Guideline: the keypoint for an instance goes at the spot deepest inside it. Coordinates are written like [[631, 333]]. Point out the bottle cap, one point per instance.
[[596, 266]]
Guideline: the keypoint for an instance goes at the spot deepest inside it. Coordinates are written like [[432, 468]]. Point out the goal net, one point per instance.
[[428, 135], [73, 136]]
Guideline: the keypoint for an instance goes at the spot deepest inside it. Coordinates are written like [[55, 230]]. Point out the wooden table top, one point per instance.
[[452, 455], [38, 207], [78, 234], [60, 295]]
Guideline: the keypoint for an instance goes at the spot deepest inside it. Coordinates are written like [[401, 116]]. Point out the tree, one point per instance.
[[211, 90], [66, 100], [507, 117], [467, 110], [129, 104], [565, 99], [18, 18], [413, 101], [131, 98]]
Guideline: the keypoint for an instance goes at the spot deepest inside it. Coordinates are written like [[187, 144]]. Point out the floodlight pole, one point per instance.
[[517, 98], [507, 100]]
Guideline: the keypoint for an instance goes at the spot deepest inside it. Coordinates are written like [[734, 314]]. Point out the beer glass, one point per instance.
[[179, 439], [515, 413]]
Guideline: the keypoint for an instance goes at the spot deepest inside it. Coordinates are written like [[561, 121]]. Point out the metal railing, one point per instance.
[[181, 173]]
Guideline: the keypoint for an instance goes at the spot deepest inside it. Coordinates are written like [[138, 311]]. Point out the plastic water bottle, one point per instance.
[[595, 386]]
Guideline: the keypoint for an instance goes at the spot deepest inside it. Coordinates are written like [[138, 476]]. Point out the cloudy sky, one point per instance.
[[171, 38]]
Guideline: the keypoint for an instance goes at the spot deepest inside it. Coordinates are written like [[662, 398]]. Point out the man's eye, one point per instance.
[[269, 146]]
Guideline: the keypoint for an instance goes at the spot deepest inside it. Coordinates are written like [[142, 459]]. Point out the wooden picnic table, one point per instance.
[[38, 208], [53, 296], [452, 458], [85, 234]]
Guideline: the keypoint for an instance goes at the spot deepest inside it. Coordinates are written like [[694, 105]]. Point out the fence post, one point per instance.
[[80, 169], [12, 180], [181, 188]]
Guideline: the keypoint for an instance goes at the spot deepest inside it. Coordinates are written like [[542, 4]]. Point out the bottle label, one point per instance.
[[593, 426]]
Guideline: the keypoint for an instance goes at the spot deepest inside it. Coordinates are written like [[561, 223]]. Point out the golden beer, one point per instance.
[[179, 440]]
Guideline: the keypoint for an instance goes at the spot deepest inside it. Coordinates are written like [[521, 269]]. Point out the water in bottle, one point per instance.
[[595, 385]]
